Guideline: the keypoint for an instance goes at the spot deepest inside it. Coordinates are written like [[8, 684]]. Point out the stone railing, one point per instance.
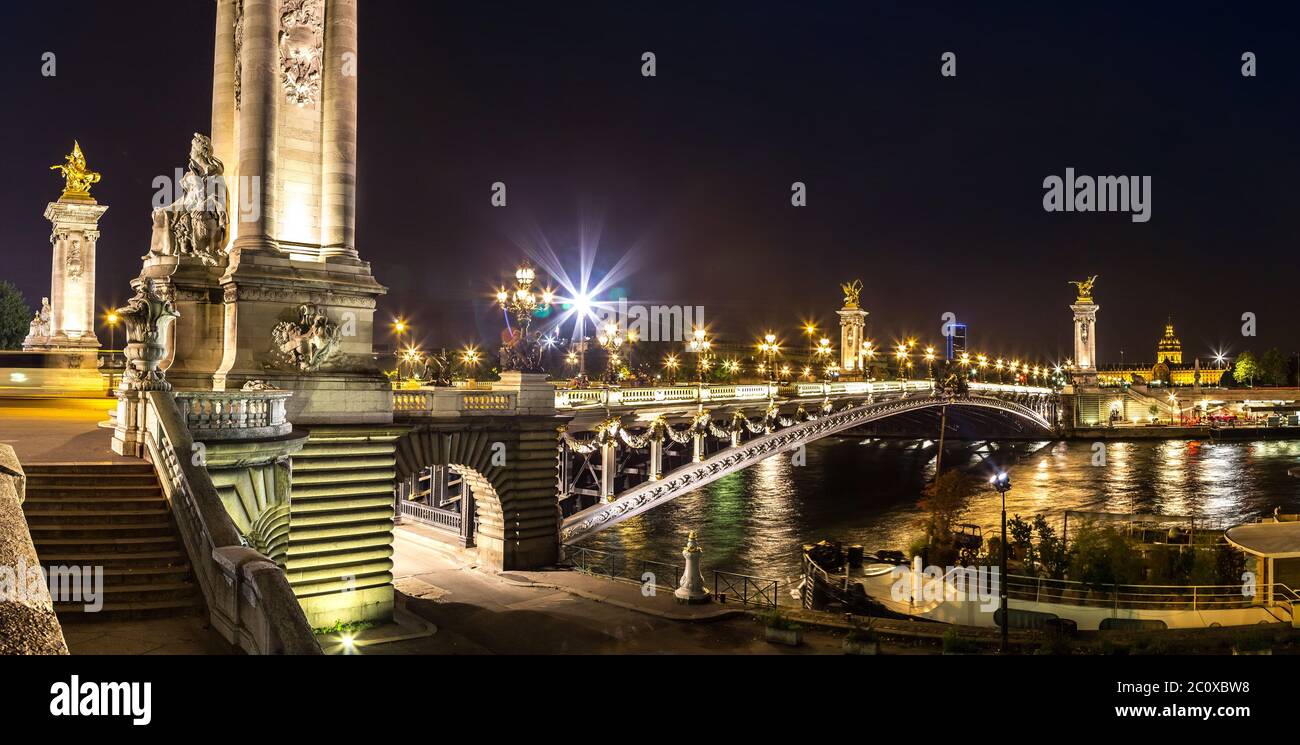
[[234, 415], [452, 402], [248, 596], [27, 621]]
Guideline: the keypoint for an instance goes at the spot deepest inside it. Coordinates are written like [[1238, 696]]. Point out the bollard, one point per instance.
[[691, 590]]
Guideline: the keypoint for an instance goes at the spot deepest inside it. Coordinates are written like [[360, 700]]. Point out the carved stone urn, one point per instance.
[[147, 317]]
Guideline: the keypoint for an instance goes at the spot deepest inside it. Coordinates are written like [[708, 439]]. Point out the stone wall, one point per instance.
[[27, 621]]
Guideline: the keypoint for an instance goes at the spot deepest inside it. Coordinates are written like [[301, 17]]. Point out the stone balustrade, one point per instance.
[[248, 597], [457, 401], [234, 415], [452, 402]]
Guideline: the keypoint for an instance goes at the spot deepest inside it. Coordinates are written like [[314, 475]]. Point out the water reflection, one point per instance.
[[865, 491]]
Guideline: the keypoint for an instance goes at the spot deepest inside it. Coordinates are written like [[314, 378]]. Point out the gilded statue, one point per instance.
[[1085, 288], [77, 179], [852, 292]]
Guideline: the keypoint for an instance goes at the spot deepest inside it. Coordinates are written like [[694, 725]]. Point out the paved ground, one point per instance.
[[50, 430], [178, 635], [481, 613]]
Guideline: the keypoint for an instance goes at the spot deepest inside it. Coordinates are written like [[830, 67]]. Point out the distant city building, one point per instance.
[[956, 343], [1168, 368]]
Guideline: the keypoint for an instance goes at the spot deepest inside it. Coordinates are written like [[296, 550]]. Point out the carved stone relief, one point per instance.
[[302, 47]]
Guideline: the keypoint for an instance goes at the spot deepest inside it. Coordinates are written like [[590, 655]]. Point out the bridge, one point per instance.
[[622, 451]]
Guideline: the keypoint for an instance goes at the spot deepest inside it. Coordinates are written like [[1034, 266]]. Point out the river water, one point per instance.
[[865, 492]]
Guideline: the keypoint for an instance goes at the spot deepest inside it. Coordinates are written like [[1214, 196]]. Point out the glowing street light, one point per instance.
[[1001, 483]]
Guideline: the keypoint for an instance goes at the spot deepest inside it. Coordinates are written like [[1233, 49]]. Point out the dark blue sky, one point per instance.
[[929, 189]]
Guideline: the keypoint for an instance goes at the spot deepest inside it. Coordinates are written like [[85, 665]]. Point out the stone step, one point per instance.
[[106, 543], [117, 559], [147, 480], [126, 575], [91, 502], [59, 516], [88, 491], [43, 531], [116, 611], [64, 469]]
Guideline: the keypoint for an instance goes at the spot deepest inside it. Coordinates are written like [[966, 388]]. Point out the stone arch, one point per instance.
[[510, 466]]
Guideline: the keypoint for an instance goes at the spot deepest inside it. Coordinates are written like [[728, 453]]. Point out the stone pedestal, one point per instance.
[[69, 319], [853, 323], [691, 589], [534, 396], [305, 326], [193, 349], [1085, 336]]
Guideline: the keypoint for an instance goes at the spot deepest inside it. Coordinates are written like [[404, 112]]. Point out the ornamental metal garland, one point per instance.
[[772, 441]]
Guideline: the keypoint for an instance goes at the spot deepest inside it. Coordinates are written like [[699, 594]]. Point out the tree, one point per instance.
[[1228, 380], [1271, 368], [1246, 369], [1103, 557], [15, 317], [1051, 551], [944, 501]]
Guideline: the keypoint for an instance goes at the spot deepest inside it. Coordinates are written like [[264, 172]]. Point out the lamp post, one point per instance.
[[611, 340], [521, 304], [400, 327], [469, 358], [671, 364], [823, 353], [901, 355], [1002, 484], [929, 362], [769, 347], [699, 345]]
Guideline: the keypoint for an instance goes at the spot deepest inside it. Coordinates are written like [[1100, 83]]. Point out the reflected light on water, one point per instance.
[[866, 491]]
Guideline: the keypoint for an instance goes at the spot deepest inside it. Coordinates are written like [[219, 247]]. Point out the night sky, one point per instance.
[[927, 188]]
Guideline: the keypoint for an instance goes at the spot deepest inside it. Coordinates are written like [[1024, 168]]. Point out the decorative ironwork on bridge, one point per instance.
[[774, 432]]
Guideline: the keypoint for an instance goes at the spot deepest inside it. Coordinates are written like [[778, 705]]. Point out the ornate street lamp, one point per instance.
[[469, 357], [671, 364], [611, 340], [929, 362], [699, 345], [521, 350], [1002, 484]]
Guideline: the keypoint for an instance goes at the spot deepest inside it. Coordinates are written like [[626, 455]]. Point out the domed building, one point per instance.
[[1168, 368]]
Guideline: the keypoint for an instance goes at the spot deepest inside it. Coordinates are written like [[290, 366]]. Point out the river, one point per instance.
[[865, 492]]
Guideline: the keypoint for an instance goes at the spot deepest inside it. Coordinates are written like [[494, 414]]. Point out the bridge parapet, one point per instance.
[[595, 398]]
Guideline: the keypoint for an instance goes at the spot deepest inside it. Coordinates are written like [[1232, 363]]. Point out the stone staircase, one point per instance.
[[112, 515]]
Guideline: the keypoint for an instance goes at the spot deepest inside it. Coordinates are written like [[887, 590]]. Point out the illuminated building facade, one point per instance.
[[1168, 368]]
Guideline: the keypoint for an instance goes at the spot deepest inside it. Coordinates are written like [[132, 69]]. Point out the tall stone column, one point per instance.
[[339, 135], [66, 319], [257, 114], [853, 328], [853, 324], [225, 61], [1085, 342]]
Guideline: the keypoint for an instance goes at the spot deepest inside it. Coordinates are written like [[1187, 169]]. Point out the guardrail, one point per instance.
[[748, 590], [1145, 597], [615, 566], [248, 597]]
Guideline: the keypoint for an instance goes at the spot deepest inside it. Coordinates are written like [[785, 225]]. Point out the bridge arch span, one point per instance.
[[509, 465], [710, 468]]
